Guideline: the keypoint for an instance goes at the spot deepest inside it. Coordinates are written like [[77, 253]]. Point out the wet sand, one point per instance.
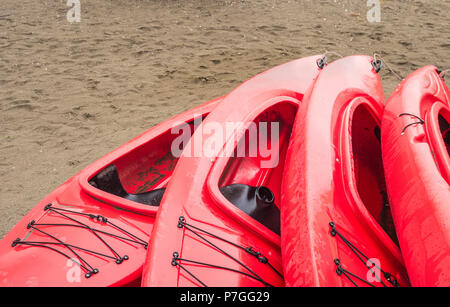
[[70, 93]]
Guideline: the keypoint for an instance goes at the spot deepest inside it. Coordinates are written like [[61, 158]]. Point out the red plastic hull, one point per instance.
[[417, 167], [334, 170], [193, 192], [32, 265]]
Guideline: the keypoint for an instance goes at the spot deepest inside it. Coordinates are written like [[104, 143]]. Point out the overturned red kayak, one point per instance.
[[94, 229], [336, 228], [416, 147], [218, 223]]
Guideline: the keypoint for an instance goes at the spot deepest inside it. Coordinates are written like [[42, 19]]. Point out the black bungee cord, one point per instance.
[[197, 232], [340, 270], [82, 262], [419, 122]]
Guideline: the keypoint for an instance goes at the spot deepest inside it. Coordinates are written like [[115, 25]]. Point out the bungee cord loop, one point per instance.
[[340, 270], [419, 122], [90, 270], [200, 233]]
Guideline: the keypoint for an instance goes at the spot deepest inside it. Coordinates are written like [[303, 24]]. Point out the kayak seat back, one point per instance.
[[251, 177], [108, 180]]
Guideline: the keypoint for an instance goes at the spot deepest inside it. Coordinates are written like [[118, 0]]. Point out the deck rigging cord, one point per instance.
[[419, 122], [198, 232], [443, 73], [361, 256], [379, 59], [333, 53], [78, 224], [322, 62]]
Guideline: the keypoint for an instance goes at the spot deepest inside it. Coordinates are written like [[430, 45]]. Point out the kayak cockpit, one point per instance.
[[368, 167], [141, 174], [251, 179]]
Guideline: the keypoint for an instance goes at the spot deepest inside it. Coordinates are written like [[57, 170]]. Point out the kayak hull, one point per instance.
[[417, 173], [332, 187], [247, 252], [80, 235]]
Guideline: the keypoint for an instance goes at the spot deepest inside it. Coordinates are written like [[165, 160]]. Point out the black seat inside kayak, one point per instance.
[[256, 202], [108, 180]]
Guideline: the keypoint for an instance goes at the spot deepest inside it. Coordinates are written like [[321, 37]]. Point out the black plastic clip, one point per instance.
[[181, 222], [333, 231], [339, 269], [377, 65], [15, 242], [101, 218], [175, 258], [89, 274], [391, 279], [30, 224], [321, 63], [261, 257], [442, 73], [120, 260]]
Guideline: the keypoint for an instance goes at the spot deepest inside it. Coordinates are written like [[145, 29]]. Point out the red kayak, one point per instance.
[[218, 223], [416, 148], [336, 227], [94, 229]]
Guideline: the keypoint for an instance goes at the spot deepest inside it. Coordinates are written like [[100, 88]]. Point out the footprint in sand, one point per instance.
[[24, 104]]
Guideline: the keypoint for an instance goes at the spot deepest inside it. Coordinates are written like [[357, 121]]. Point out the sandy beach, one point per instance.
[[72, 92]]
